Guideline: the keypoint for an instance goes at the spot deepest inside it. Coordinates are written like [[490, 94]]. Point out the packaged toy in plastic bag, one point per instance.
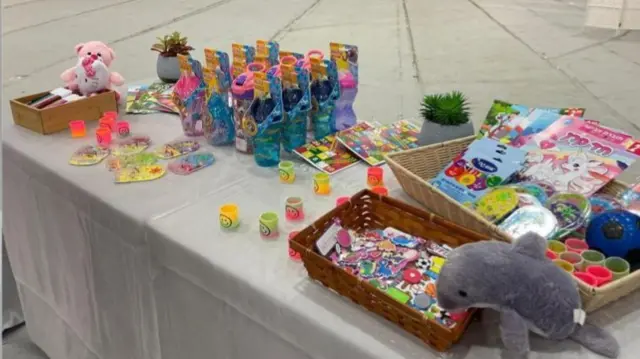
[[264, 119], [219, 127], [346, 59], [296, 99], [325, 91], [189, 96]]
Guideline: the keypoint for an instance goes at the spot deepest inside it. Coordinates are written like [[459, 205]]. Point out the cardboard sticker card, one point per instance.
[[88, 156], [139, 159], [191, 163], [176, 149], [132, 145], [139, 173]]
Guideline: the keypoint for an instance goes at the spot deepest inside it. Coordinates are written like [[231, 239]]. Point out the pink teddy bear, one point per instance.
[[104, 53]]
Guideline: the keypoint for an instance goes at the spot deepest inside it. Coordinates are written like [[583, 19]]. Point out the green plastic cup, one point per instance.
[[618, 267], [269, 225], [592, 258], [556, 246]]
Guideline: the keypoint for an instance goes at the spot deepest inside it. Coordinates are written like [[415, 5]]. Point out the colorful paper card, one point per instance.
[[191, 163], [139, 173], [328, 155], [372, 143], [575, 156], [88, 156], [117, 163]]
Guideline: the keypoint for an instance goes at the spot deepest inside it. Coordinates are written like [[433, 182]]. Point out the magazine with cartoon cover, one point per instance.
[[577, 157]]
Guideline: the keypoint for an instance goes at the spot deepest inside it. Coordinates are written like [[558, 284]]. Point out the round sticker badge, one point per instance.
[[530, 219], [603, 203], [498, 203], [532, 189]]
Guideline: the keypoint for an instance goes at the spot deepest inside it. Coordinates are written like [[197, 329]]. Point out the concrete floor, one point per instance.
[[533, 52]]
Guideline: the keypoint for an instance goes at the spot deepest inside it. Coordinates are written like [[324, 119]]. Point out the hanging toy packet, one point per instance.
[[325, 91], [267, 53], [485, 164], [346, 59], [297, 55], [243, 55], [189, 96], [296, 98], [218, 124], [577, 157]]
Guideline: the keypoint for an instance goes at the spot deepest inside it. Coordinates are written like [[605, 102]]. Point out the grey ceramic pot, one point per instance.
[[435, 133], [168, 68]]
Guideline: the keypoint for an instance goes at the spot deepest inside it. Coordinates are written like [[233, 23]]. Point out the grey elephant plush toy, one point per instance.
[[530, 292]]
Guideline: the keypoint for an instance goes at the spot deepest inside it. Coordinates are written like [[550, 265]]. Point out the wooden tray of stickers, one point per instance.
[[367, 210]]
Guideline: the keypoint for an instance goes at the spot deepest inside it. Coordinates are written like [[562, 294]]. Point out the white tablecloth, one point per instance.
[[142, 271]]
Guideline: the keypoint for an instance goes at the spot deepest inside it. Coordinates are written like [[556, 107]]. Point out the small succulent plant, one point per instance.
[[172, 45], [448, 109]]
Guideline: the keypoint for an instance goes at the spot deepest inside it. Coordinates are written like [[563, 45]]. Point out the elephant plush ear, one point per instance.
[[532, 245]]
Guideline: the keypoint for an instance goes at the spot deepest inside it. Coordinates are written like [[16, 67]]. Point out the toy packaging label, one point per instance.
[[242, 56], [267, 52], [191, 163], [218, 63], [297, 55], [371, 143], [346, 58], [505, 120], [328, 155], [176, 149], [88, 156], [485, 164], [138, 159], [139, 173], [130, 146], [573, 156]]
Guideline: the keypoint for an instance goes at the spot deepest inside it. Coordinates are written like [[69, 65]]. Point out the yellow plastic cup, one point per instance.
[[556, 247], [568, 267], [287, 173], [321, 183]]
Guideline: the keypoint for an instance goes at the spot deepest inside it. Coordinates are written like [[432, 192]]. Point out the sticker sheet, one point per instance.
[[372, 143], [328, 155], [191, 163], [176, 149], [139, 173], [131, 145], [88, 156], [116, 163]]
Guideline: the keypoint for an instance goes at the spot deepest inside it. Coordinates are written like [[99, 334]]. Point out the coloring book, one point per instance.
[[327, 154], [575, 156]]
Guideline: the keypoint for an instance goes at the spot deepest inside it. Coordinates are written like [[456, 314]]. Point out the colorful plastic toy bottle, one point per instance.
[[242, 95], [344, 114], [296, 100]]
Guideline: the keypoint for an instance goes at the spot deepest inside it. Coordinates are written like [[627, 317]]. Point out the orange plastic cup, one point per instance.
[[78, 128], [381, 190], [112, 114], [108, 122], [103, 136]]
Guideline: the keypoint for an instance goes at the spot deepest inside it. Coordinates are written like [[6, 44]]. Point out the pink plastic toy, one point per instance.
[[103, 136], [123, 128], [78, 129]]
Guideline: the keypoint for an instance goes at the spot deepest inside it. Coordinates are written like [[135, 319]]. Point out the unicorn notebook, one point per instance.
[[575, 156]]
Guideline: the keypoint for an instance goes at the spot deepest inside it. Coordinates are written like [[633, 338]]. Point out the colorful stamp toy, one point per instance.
[[131, 145], [294, 209], [286, 172], [229, 216], [268, 222], [191, 163], [139, 173], [176, 149], [88, 156], [138, 159]]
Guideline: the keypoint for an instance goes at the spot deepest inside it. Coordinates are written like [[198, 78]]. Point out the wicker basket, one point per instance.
[[367, 210], [414, 167]]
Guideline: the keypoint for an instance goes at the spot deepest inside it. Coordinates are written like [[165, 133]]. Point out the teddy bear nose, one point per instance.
[[94, 56]]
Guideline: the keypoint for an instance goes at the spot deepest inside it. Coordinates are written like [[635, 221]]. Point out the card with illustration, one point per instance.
[[117, 163], [371, 143], [578, 157], [131, 145], [191, 163], [328, 155], [485, 164], [504, 120], [88, 156], [140, 173], [176, 149]]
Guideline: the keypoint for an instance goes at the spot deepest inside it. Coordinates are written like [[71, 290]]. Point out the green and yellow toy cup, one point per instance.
[[269, 225], [229, 217], [321, 183], [287, 173]]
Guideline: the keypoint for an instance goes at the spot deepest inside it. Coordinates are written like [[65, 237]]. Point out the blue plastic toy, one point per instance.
[[614, 233]]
